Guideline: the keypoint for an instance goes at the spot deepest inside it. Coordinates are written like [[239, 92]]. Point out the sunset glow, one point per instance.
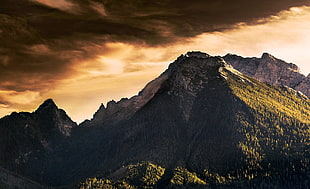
[[84, 71]]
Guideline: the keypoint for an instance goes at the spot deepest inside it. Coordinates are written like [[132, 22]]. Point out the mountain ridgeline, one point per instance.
[[200, 124], [28, 137], [271, 70]]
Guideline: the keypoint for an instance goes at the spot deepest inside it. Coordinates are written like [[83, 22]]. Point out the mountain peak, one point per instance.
[[197, 54], [197, 60], [52, 119], [271, 70], [47, 104], [188, 72], [267, 56], [191, 74]]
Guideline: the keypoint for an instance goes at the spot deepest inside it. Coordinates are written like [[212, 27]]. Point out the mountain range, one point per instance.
[[207, 121]]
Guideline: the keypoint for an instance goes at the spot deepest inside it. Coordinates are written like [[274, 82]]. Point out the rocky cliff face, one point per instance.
[[271, 70], [304, 86], [125, 108], [189, 74]]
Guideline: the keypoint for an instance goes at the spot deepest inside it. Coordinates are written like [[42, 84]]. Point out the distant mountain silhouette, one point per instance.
[[26, 137], [201, 123]]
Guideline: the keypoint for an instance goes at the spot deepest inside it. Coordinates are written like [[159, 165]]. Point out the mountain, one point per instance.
[[201, 123], [208, 118], [265, 69], [203, 116], [271, 70], [27, 137]]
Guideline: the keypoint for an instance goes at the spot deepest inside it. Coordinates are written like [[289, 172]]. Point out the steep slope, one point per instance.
[[271, 70], [125, 108], [26, 137]]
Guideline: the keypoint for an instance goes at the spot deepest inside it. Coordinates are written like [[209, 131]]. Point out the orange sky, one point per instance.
[[116, 69]]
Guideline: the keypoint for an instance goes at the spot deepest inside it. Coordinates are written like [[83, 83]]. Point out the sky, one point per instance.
[[82, 53]]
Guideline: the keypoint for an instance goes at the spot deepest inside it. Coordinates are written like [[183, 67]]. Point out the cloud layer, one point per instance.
[[50, 48]]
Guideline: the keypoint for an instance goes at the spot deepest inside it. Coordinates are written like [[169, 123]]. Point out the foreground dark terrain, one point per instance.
[[200, 124]]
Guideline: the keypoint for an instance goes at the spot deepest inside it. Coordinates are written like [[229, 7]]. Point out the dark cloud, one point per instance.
[[41, 41], [153, 21]]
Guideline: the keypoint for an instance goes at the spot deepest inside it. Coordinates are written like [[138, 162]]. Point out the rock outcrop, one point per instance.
[[304, 86], [271, 70], [180, 69]]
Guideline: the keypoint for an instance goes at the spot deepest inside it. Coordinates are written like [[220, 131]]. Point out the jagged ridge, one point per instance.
[[271, 70], [266, 69], [200, 114]]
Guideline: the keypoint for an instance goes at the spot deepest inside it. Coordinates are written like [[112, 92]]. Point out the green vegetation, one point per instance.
[[182, 176], [140, 175], [277, 127], [145, 174], [271, 102], [216, 178], [94, 183]]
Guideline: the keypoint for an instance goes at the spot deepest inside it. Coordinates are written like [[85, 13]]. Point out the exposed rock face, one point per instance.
[[304, 86], [125, 108], [189, 74], [181, 71], [271, 70]]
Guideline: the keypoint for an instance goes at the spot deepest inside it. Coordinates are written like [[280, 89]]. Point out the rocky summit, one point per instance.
[[200, 124], [271, 70]]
